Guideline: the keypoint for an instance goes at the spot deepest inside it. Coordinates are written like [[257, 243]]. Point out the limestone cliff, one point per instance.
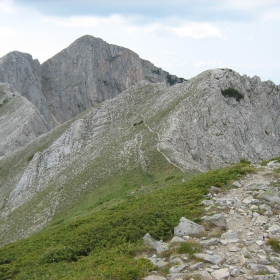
[[90, 71]]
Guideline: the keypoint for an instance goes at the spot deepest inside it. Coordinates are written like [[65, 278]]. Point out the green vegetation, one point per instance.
[[5, 101], [91, 244], [275, 244], [190, 248], [156, 71], [231, 92], [265, 162]]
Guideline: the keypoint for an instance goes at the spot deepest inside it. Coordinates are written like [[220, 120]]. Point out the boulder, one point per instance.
[[160, 246], [186, 227], [217, 220], [221, 273], [215, 259]]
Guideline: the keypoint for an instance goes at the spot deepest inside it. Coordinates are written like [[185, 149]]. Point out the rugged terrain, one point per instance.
[[193, 126], [240, 225], [84, 74], [97, 134]]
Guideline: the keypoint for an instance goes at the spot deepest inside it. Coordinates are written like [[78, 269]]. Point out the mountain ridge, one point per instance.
[[82, 75], [192, 126]]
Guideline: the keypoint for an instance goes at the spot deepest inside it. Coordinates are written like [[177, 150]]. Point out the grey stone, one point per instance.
[[221, 273], [160, 246], [237, 184], [257, 184], [154, 277], [196, 266], [159, 262], [209, 242], [274, 228], [260, 242], [273, 164], [177, 239], [177, 268], [272, 269], [261, 220], [255, 266], [176, 260], [215, 259], [225, 201], [214, 189], [271, 194], [230, 236], [217, 220], [207, 202], [235, 272], [187, 227]]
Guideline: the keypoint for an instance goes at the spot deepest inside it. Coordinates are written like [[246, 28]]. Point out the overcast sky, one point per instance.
[[184, 37]]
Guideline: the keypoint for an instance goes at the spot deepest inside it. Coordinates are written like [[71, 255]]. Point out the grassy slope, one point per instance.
[[92, 244]]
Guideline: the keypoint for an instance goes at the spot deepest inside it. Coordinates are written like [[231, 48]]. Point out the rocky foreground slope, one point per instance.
[[195, 126], [84, 74], [234, 244]]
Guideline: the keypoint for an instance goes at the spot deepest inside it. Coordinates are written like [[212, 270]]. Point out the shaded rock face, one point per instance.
[[24, 74], [90, 71], [20, 120]]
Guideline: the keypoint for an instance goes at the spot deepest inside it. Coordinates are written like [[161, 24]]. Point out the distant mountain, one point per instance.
[[86, 73], [90, 71], [212, 120]]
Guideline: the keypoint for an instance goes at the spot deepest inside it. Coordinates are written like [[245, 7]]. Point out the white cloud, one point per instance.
[[208, 64], [6, 6], [271, 15], [197, 30], [81, 21], [144, 29], [168, 52], [7, 32]]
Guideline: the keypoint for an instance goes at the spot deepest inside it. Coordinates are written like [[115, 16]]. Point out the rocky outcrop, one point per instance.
[[20, 120], [90, 71], [24, 74], [210, 128]]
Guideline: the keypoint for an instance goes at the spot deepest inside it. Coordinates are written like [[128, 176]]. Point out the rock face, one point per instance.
[[210, 129], [24, 74], [86, 73], [192, 126], [20, 120], [90, 71]]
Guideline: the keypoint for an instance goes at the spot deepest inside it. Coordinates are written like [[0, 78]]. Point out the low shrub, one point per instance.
[[231, 92], [275, 244]]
